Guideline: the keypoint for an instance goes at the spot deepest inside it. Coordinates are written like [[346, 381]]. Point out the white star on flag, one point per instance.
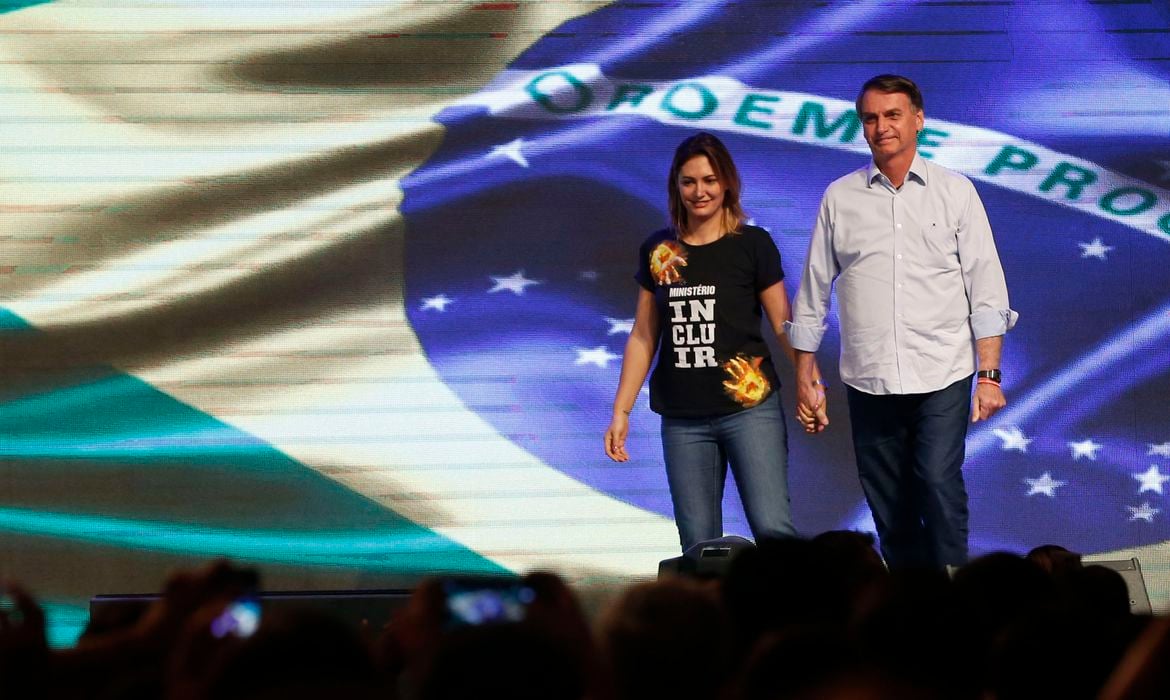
[[438, 302], [511, 151], [514, 283], [1151, 479], [1096, 249], [1045, 485], [1162, 450], [1012, 438], [1085, 448], [620, 325], [599, 356], [1143, 512]]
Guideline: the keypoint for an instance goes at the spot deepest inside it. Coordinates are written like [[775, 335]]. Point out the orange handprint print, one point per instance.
[[665, 262], [748, 386]]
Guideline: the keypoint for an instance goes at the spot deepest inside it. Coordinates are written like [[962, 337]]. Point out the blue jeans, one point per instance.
[[910, 450], [754, 442]]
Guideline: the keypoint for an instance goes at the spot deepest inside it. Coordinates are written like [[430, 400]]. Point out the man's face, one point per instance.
[[891, 124]]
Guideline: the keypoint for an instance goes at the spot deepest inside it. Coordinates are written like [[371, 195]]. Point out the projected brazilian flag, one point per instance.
[[340, 289]]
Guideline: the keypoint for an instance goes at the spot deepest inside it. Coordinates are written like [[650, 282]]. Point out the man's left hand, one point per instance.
[[988, 400]]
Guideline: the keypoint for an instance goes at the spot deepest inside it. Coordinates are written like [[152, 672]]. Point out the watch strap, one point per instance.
[[993, 374]]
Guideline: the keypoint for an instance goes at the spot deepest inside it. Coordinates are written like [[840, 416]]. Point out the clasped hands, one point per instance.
[[812, 408]]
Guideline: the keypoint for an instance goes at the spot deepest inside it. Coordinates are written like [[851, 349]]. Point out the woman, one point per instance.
[[703, 283]]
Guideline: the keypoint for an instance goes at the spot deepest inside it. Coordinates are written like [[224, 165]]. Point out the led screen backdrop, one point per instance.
[[339, 289]]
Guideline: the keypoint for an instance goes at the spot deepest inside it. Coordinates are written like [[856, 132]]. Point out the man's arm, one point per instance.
[[809, 310], [987, 293], [991, 314], [989, 396]]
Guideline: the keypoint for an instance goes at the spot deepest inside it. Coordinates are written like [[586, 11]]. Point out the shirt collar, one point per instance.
[[917, 171]]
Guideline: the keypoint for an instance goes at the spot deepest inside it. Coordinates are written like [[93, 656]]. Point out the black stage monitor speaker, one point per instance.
[[1131, 571], [707, 559]]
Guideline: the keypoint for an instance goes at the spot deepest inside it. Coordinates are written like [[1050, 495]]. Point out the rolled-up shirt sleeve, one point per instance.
[[811, 306], [991, 312]]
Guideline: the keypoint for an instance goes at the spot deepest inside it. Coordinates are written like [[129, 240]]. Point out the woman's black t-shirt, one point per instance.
[[712, 359]]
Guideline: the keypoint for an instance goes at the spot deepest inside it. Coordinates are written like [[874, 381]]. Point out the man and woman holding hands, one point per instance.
[[923, 307]]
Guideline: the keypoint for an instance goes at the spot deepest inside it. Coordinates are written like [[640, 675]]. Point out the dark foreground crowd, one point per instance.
[[790, 619]]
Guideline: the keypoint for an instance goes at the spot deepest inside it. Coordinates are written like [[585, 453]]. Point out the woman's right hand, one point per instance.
[[615, 437]]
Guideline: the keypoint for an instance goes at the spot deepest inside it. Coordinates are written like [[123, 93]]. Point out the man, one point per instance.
[[923, 304]]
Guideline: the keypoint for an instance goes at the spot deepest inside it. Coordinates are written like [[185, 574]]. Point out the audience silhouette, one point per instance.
[[790, 619]]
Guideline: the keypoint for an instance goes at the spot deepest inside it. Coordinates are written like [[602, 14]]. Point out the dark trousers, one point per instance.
[[910, 450]]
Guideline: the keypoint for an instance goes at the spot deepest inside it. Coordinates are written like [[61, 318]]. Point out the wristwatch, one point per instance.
[[993, 374]]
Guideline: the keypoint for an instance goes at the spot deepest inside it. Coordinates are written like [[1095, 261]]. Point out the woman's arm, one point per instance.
[[636, 361], [811, 408]]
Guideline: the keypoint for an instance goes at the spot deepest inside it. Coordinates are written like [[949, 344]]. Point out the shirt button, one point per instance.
[[899, 256], [899, 285], [898, 225]]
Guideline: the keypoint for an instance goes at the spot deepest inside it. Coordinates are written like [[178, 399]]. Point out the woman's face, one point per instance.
[[700, 190]]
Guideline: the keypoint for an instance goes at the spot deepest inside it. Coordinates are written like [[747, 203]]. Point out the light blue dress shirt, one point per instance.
[[916, 274]]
